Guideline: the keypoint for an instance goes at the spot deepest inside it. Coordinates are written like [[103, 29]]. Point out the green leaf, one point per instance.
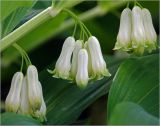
[[8, 6], [16, 119], [136, 80], [129, 113], [12, 20], [65, 101], [14, 11]]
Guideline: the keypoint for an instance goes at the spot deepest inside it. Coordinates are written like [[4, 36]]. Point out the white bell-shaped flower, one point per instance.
[[74, 65], [12, 102], [63, 64], [89, 60], [151, 36], [124, 35], [34, 92], [41, 114], [82, 71], [98, 63], [25, 107], [138, 32]]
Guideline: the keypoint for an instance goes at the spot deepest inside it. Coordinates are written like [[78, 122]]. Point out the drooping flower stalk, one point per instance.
[[87, 60]]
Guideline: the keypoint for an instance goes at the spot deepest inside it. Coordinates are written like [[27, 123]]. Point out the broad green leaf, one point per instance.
[[13, 13], [136, 80], [42, 4], [12, 20], [8, 6], [65, 101], [16, 119], [129, 113]]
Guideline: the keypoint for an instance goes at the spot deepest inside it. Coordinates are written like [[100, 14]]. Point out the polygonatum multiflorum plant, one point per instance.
[[80, 61]]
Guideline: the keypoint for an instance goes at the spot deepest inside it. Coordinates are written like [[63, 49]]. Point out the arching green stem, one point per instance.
[[127, 5], [23, 53], [22, 64], [86, 29], [82, 26], [75, 29], [139, 5]]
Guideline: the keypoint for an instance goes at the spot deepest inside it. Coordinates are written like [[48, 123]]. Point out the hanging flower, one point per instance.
[[98, 63], [63, 64], [41, 113], [74, 65], [89, 60], [82, 70], [138, 32], [12, 102], [151, 36], [124, 35], [25, 107], [34, 92]]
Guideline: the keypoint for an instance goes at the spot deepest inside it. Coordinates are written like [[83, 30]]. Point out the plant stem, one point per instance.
[[21, 52], [82, 26], [74, 29], [22, 64], [27, 27], [139, 5], [127, 5], [86, 29]]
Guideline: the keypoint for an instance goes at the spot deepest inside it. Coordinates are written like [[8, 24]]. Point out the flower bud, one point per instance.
[[74, 65], [98, 63], [12, 102], [24, 107], [124, 35], [63, 65], [82, 71], [138, 32], [34, 92], [151, 36]]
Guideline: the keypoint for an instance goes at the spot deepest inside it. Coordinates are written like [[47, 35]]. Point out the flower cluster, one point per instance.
[[25, 95], [86, 63], [136, 31]]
